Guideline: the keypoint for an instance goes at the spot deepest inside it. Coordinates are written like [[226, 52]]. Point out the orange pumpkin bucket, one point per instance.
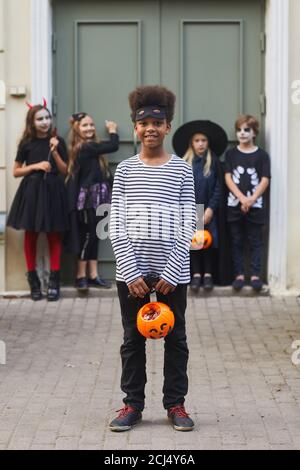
[[201, 240], [155, 320]]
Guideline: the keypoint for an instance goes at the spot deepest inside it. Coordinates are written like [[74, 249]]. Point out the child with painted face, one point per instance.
[[200, 143], [247, 175], [40, 204], [88, 185], [153, 218]]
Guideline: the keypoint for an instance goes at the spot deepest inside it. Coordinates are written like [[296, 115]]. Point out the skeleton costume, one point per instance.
[[247, 171]]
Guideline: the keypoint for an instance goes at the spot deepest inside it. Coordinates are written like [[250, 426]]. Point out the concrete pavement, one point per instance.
[[60, 385]]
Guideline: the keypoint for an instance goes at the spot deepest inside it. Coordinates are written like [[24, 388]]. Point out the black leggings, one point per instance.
[[87, 222], [242, 233], [201, 261]]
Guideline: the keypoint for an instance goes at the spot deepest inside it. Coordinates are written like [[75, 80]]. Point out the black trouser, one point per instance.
[[87, 223], [241, 232], [133, 351], [201, 261]]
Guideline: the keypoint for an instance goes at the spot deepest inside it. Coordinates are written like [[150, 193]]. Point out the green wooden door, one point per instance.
[[103, 50], [209, 52], [212, 58]]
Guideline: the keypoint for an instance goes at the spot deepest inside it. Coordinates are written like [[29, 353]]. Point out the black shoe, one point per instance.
[[195, 283], [256, 285], [99, 282], [53, 291], [81, 284], [180, 419], [128, 416], [208, 284], [35, 285], [238, 284]]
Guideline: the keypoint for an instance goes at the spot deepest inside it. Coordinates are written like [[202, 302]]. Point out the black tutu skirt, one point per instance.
[[40, 204]]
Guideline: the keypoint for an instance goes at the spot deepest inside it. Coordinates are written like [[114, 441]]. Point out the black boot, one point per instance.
[[35, 285], [53, 286]]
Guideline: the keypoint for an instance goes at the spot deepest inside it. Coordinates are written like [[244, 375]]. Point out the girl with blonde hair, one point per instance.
[[200, 143], [89, 184]]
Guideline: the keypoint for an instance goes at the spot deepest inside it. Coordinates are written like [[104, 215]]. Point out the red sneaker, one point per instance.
[[180, 419], [128, 416]]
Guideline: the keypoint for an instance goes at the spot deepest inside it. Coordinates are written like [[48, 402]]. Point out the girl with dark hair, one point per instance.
[[89, 184], [40, 204]]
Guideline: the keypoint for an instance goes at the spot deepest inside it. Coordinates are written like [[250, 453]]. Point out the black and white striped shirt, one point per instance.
[[153, 218]]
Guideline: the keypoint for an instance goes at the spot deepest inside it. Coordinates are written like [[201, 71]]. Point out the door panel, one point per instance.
[[212, 60], [206, 51], [103, 51], [199, 84], [102, 62]]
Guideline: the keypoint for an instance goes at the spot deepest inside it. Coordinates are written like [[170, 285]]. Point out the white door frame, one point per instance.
[[277, 120], [41, 53], [277, 93]]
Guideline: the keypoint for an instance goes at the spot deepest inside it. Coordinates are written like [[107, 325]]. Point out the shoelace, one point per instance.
[[179, 410], [124, 411]]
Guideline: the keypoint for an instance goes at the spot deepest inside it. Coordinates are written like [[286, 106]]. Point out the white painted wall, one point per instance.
[[2, 142], [17, 72]]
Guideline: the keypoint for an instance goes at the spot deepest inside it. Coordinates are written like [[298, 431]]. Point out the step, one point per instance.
[[71, 292]]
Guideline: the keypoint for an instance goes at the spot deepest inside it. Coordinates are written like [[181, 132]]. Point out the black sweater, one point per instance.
[[87, 162], [37, 150], [87, 169]]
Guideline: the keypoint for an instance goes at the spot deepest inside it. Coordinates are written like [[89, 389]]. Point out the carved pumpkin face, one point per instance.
[[201, 240], [155, 320]]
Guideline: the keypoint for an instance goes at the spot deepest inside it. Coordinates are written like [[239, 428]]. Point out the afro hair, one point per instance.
[[152, 95]]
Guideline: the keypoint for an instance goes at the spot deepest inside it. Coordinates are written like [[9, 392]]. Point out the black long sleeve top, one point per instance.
[[87, 169], [87, 162]]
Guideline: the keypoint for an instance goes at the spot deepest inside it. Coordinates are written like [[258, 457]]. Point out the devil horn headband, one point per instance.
[[30, 105]]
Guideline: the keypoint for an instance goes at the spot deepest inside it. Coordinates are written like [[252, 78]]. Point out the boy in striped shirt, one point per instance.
[[153, 218]]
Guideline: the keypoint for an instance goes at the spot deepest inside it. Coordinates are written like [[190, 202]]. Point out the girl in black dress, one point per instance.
[[89, 184], [40, 204]]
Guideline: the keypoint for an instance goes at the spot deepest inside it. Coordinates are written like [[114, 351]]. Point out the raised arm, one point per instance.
[[105, 147]]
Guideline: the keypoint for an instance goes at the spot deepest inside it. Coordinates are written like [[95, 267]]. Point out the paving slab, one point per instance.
[[60, 385]]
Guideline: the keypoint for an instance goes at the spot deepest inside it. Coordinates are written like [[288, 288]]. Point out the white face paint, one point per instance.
[[42, 122], [245, 134]]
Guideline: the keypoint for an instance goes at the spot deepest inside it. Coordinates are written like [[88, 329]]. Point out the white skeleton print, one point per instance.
[[236, 176]]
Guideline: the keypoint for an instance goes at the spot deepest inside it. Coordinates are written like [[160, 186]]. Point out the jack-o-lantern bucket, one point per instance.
[[155, 320], [201, 240]]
